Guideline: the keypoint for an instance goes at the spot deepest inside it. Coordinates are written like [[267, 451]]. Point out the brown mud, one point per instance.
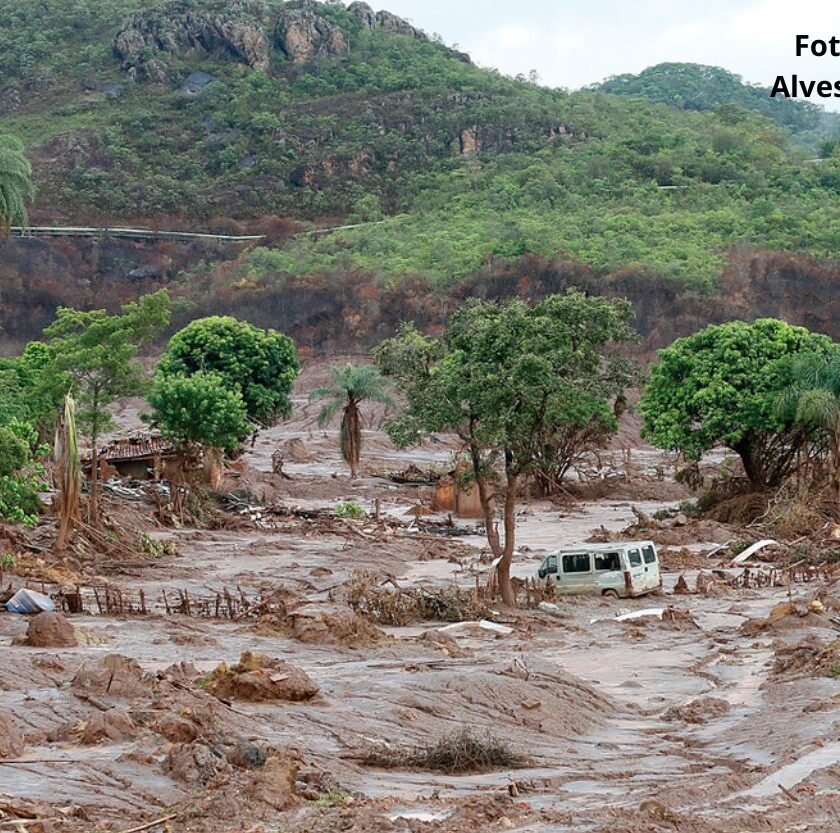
[[721, 718]]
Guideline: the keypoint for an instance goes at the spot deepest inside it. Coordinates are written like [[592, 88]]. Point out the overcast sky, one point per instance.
[[572, 43]]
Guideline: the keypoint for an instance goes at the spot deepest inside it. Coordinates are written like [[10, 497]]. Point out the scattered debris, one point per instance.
[[476, 628], [456, 753], [30, 601], [751, 550], [698, 711]]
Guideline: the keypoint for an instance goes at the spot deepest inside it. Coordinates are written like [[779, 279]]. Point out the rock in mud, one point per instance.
[[247, 755], [113, 675], [194, 763], [258, 678], [50, 630], [115, 725], [11, 740], [176, 729]]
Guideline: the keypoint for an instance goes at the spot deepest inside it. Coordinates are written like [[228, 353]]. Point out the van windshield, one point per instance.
[[607, 561], [635, 558], [650, 554]]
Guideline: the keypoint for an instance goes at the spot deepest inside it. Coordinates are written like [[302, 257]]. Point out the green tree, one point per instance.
[[349, 387], [813, 401], [16, 187], [199, 410], [93, 356], [26, 391], [500, 377], [261, 364], [21, 473], [720, 387]]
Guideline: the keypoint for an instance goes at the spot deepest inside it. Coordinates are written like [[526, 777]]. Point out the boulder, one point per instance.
[[113, 675], [246, 755], [114, 725], [50, 630], [193, 85]]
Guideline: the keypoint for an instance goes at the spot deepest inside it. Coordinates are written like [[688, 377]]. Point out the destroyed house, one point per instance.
[[140, 457]]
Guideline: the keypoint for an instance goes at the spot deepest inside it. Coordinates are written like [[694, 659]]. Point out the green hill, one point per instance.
[[700, 87], [199, 109]]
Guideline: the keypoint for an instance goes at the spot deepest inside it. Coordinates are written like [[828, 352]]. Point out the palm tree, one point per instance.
[[813, 400], [350, 386], [15, 183]]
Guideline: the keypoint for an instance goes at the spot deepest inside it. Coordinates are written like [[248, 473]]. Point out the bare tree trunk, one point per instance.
[[69, 473], [214, 466], [505, 583], [486, 500], [93, 508]]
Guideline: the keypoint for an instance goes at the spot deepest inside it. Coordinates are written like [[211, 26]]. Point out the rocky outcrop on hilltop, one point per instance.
[[250, 32], [305, 33], [368, 19], [178, 29]]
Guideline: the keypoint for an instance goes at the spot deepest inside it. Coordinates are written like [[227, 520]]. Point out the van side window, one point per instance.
[[650, 555], [635, 558], [607, 561], [551, 564], [578, 563]]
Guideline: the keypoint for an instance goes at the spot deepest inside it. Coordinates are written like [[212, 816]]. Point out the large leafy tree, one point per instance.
[[199, 410], [93, 356], [720, 387], [501, 377], [813, 401], [349, 387], [16, 187], [261, 364]]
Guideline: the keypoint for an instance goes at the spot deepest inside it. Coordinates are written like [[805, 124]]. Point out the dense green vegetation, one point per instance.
[[701, 87], [722, 386], [199, 410], [465, 165], [260, 365]]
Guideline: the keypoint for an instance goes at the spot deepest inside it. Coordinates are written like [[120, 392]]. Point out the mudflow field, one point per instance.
[[261, 701]]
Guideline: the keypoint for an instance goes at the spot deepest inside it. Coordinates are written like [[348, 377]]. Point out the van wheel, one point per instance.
[[612, 594]]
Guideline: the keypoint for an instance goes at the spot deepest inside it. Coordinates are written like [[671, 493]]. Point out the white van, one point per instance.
[[625, 569]]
